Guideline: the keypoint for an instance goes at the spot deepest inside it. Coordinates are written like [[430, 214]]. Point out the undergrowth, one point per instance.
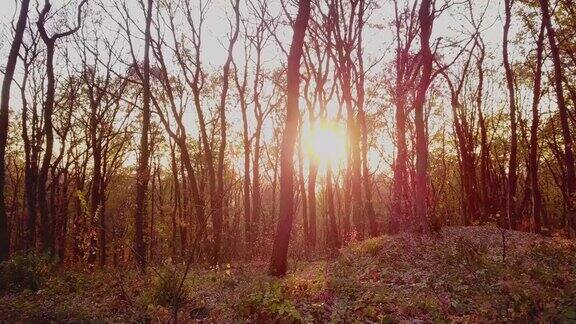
[[460, 276]]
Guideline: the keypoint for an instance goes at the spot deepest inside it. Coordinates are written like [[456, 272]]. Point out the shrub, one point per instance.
[[23, 271], [371, 246], [166, 290], [270, 304]]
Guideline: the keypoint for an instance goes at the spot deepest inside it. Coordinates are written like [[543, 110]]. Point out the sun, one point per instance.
[[324, 143]]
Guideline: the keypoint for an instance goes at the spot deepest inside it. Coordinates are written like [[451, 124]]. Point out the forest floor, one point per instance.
[[461, 275]]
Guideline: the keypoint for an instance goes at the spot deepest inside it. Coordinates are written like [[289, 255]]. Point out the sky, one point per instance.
[[377, 41]]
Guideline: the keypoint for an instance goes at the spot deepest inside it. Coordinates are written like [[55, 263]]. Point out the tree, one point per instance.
[[47, 234], [570, 178], [426, 21], [513, 160], [241, 85], [360, 103], [103, 91], [405, 68], [30, 88], [278, 262], [319, 52], [218, 212], [4, 110], [174, 94], [533, 158], [464, 129], [484, 178], [346, 35], [143, 174]]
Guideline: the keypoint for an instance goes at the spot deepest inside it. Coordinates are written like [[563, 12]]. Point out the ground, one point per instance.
[[459, 275]]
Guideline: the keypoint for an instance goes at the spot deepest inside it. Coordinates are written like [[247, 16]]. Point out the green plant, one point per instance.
[[465, 254], [270, 303], [166, 289], [371, 246], [23, 271]]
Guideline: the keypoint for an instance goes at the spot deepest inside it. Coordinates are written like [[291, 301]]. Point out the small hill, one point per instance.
[[461, 275]]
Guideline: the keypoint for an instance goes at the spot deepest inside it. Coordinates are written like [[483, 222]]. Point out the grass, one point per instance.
[[457, 277]]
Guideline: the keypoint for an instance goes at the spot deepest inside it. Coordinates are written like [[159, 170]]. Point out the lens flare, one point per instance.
[[324, 143]]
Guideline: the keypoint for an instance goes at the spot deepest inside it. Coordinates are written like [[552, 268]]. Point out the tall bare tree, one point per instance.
[[218, 212], [533, 155], [278, 263], [143, 175], [426, 17], [513, 160], [4, 110], [46, 229], [570, 178], [405, 68]]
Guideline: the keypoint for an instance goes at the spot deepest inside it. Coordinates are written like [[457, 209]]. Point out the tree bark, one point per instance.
[[256, 187], [401, 206], [312, 218], [241, 87], [218, 212], [360, 94], [570, 176], [513, 163], [278, 262], [426, 20], [533, 156], [4, 110], [303, 193], [143, 174], [485, 192], [46, 238], [333, 240], [46, 221]]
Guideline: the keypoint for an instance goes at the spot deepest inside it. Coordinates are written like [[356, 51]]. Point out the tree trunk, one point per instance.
[[95, 190], [47, 241], [533, 156], [570, 176], [333, 241], [218, 212], [513, 163], [354, 165], [426, 20], [366, 178], [302, 184], [360, 94], [400, 203], [4, 109], [256, 194], [347, 199], [143, 174], [184, 219], [246, 145], [485, 197], [278, 261], [46, 221], [312, 218], [175, 200]]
